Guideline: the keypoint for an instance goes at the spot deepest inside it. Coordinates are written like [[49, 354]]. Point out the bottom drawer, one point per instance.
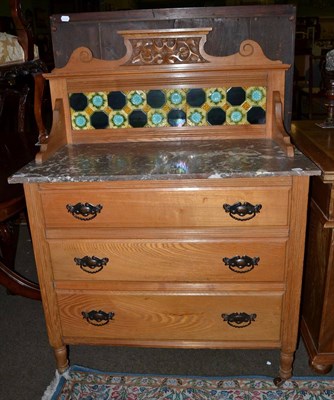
[[171, 317]]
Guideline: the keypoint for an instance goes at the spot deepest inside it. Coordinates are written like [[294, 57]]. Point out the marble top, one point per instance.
[[213, 159]]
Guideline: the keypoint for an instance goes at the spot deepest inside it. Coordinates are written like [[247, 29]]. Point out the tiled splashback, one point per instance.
[[168, 107]]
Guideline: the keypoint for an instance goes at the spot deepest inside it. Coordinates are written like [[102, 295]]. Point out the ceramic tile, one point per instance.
[[168, 107]]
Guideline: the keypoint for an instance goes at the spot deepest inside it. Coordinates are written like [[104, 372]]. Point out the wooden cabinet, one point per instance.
[[317, 322], [163, 235]]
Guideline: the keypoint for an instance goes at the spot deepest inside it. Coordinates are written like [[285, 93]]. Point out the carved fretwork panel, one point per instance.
[[166, 51]]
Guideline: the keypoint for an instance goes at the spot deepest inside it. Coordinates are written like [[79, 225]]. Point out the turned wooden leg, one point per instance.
[[320, 368], [61, 359], [285, 368]]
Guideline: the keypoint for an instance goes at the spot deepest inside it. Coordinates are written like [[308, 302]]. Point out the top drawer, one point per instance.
[[177, 208]]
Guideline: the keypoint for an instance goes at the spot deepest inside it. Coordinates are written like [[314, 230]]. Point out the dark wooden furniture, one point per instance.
[[21, 127], [311, 89], [16, 148], [317, 321], [168, 208]]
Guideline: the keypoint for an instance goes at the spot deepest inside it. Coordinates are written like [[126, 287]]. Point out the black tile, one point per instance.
[[216, 116], [116, 100], [156, 98], [256, 115], [137, 119], [236, 96], [196, 97], [78, 101], [176, 118], [99, 120]]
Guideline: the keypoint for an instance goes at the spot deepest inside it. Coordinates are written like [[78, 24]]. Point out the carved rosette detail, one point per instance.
[[159, 51]]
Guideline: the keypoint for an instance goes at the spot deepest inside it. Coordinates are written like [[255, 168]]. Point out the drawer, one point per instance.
[[178, 208], [146, 316], [229, 260]]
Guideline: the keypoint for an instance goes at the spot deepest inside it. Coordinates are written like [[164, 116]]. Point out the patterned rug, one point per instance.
[[80, 383]]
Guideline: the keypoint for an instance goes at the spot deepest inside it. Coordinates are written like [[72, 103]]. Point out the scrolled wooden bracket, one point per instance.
[[39, 86], [57, 136], [279, 134]]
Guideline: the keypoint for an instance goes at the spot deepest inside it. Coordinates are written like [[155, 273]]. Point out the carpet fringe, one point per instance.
[[49, 392]]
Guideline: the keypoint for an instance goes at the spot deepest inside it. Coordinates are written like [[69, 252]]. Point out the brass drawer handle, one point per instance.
[[97, 318], [239, 320], [84, 211], [241, 264], [91, 265], [242, 211]]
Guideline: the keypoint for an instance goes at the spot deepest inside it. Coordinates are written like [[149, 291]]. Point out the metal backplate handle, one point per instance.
[[242, 211], [98, 318], [239, 320], [241, 264], [84, 211], [91, 265]]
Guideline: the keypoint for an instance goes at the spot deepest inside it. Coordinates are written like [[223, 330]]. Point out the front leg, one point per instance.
[[61, 359], [285, 367]]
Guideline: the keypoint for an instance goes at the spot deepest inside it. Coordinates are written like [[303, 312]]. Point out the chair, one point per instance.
[[23, 103], [17, 147]]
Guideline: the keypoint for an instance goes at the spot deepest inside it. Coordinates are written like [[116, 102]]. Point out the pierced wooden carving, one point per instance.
[[166, 51], [165, 47]]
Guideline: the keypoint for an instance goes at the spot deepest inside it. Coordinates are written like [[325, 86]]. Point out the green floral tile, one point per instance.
[[196, 117], [97, 100], [236, 116], [157, 118], [136, 98], [256, 96], [215, 96], [119, 119]]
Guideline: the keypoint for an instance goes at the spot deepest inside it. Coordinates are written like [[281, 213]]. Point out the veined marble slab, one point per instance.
[[209, 159]]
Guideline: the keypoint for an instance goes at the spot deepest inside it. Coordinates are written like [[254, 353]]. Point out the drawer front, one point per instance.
[[169, 317], [167, 208], [233, 260]]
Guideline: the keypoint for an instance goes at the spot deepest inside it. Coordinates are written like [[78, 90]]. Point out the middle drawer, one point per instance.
[[228, 260]]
